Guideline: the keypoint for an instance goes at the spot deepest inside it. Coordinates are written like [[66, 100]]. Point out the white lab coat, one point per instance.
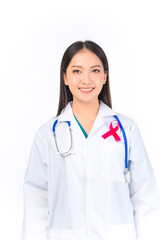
[[84, 196]]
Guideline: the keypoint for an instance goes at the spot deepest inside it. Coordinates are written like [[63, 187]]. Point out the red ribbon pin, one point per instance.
[[112, 131]]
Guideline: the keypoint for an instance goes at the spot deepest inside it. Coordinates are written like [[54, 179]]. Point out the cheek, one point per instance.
[[73, 82], [99, 79], [73, 78]]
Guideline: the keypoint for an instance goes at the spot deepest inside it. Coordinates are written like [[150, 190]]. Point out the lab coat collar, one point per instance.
[[67, 115]]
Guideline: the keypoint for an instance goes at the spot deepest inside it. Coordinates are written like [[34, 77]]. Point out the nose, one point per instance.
[[86, 78]]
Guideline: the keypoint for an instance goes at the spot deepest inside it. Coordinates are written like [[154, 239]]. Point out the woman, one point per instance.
[[86, 194]]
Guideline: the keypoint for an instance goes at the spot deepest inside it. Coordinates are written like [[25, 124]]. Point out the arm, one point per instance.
[[35, 192], [143, 190]]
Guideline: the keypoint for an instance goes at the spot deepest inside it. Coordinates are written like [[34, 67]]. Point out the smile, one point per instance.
[[86, 90]]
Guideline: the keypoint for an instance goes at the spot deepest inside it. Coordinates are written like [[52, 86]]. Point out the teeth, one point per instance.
[[83, 89]]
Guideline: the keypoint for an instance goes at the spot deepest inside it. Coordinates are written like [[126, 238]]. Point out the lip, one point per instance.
[[86, 92], [86, 88]]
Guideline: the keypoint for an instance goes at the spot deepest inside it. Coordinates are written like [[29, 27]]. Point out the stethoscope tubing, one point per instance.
[[55, 123], [54, 133], [125, 142], [68, 152]]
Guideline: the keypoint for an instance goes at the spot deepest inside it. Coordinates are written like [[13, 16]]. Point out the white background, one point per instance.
[[33, 37]]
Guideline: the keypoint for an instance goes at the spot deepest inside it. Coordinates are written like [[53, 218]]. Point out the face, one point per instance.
[[85, 76]]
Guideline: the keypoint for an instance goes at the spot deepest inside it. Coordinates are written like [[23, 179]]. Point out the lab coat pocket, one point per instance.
[[67, 234], [112, 164], [56, 234]]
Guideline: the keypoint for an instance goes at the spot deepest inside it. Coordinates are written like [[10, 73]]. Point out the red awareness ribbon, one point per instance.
[[112, 131]]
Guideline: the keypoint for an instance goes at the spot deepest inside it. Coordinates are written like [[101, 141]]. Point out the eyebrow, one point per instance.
[[82, 67]]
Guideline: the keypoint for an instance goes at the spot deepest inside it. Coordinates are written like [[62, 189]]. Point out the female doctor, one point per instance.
[[88, 175]]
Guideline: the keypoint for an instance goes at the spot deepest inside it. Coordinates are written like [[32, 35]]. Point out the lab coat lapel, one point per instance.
[[67, 115], [104, 111]]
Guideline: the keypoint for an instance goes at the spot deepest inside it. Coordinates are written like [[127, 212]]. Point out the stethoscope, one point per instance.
[[126, 170]]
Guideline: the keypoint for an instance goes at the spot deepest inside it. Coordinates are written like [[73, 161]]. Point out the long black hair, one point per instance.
[[65, 94]]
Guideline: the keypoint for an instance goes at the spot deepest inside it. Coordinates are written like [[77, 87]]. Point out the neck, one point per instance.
[[85, 110]]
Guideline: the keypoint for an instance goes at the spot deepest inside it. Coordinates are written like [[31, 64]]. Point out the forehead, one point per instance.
[[84, 58]]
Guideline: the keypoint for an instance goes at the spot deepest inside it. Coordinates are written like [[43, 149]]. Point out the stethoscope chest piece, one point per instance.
[[127, 175]]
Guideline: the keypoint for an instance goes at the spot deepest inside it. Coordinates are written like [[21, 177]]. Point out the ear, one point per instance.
[[65, 79]]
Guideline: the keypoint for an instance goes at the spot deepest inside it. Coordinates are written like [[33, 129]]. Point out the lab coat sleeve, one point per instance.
[[35, 192], [144, 191]]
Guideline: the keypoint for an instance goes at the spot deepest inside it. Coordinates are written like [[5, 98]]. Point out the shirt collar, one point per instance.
[[67, 115]]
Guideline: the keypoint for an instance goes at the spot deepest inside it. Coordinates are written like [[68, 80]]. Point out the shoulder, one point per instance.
[[131, 128], [124, 118], [45, 129], [126, 121]]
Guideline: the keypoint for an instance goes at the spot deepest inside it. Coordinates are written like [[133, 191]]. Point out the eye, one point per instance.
[[96, 70], [76, 71]]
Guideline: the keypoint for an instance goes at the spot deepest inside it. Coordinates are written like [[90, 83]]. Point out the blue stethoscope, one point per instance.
[[126, 170]]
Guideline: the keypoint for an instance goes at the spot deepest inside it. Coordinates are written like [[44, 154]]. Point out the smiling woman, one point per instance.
[[83, 77], [89, 175]]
